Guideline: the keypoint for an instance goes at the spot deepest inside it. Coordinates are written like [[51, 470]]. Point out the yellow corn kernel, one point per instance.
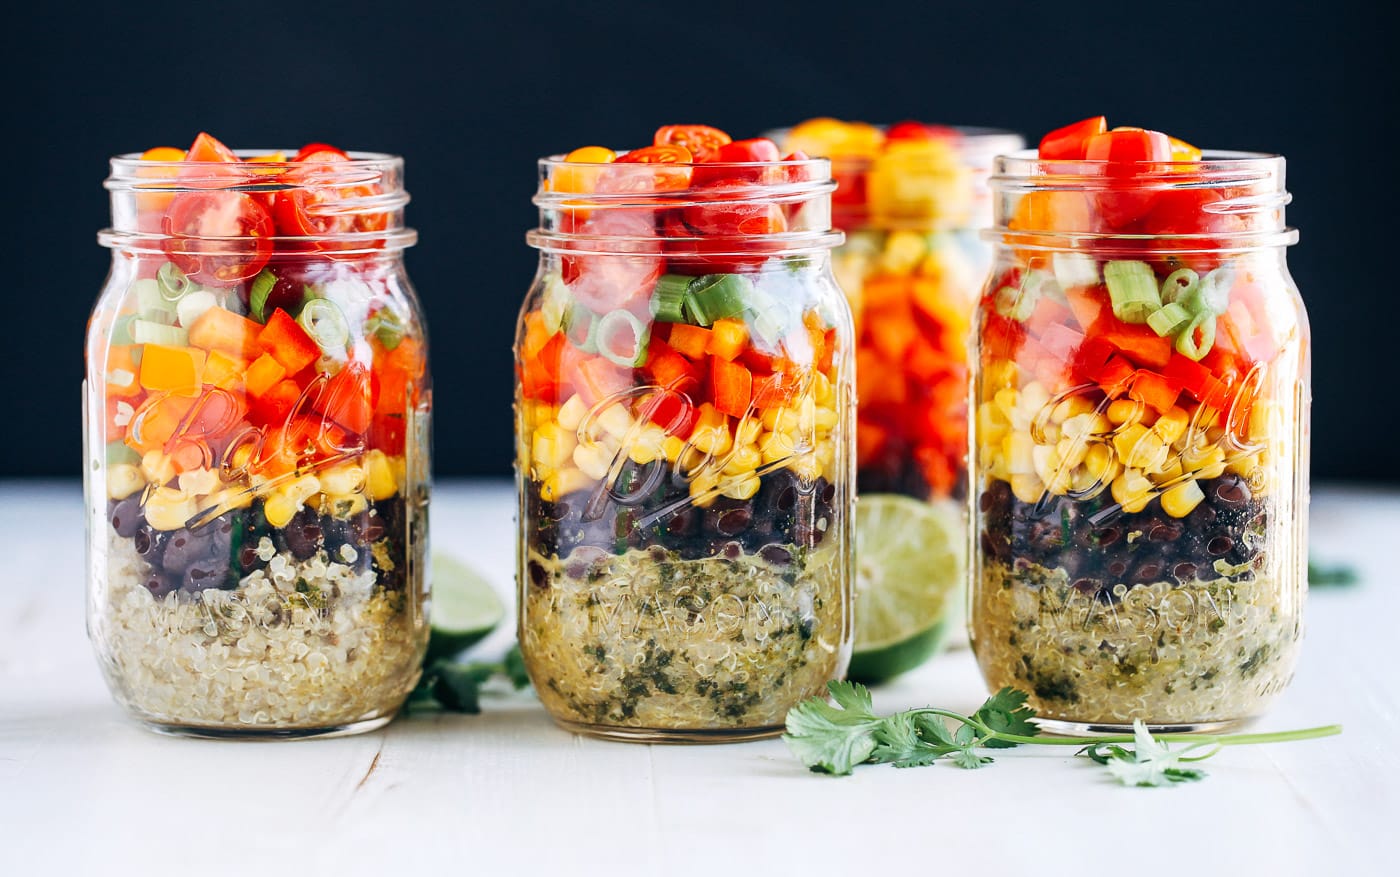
[[1139, 448], [740, 488], [1243, 464], [1205, 418], [775, 446], [998, 375], [748, 431], [123, 479], [303, 488], [157, 467], [1265, 420], [345, 505], [775, 419], [1132, 491], [1169, 472], [1018, 448], [1027, 488], [279, 509], [822, 390], [1181, 499], [806, 466], [746, 458], [647, 444], [991, 421], [564, 482], [904, 250], [1101, 463], [571, 413], [671, 448], [1083, 482], [343, 480], [615, 420], [1006, 402], [1046, 461], [231, 498], [380, 482], [552, 446], [242, 455], [166, 511], [1033, 397], [1172, 425], [1071, 451], [1071, 406], [593, 460], [1121, 411], [1204, 462], [826, 419], [712, 440], [701, 485], [1086, 424]]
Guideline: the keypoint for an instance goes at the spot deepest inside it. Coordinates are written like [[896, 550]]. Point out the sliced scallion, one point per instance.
[[1213, 295], [1074, 270], [121, 330], [172, 282], [581, 328], [1169, 319], [386, 326], [1132, 290], [1014, 304], [192, 306], [554, 303], [668, 298], [326, 325], [258, 292], [148, 332], [622, 338], [1180, 285], [1043, 283], [149, 301], [717, 296], [1186, 343]]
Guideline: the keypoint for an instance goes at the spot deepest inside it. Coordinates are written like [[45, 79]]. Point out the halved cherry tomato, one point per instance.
[[1183, 151], [1123, 152], [208, 148], [702, 141], [1069, 143], [310, 149], [910, 130], [752, 151], [196, 220], [1122, 145], [669, 170], [309, 211], [737, 208], [668, 153]]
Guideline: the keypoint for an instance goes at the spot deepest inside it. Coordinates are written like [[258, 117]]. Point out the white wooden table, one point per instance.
[[85, 791]]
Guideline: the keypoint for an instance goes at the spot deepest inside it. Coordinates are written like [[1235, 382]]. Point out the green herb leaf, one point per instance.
[[833, 739], [1006, 713], [1320, 575]]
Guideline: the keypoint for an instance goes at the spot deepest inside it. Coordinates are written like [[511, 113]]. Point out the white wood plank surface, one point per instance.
[[85, 791]]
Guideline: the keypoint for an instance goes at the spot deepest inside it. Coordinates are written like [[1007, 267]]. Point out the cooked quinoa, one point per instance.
[[1208, 650], [646, 640], [299, 644]]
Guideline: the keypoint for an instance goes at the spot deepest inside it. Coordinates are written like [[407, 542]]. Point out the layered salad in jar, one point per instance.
[[259, 483], [1139, 438], [682, 443]]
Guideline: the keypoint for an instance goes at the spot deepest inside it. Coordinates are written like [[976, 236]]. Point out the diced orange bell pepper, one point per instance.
[[669, 369], [219, 329], [276, 405], [173, 369], [388, 432], [121, 377], [288, 342], [535, 336], [156, 420], [731, 387], [1138, 343], [348, 398], [408, 355], [1153, 390], [728, 337], [692, 341], [262, 375], [1086, 302], [224, 370]]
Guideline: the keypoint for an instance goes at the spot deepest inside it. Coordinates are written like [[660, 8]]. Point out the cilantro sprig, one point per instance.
[[455, 687], [836, 736]]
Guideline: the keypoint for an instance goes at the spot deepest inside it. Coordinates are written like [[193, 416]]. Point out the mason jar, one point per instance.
[[684, 414], [1140, 442], [256, 423]]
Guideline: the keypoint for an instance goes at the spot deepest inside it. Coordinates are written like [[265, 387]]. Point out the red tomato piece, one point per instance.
[[1125, 145], [311, 149], [701, 141], [755, 151], [349, 398], [737, 208], [208, 148], [196, 219], [1069, 143], [910, 130]]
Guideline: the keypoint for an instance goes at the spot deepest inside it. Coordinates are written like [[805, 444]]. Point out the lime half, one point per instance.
[[910, 561], [465, 608]]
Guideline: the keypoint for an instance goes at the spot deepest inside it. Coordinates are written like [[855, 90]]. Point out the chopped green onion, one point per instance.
[[172, 282], [149, 301], [1043, 283], [121, 330], [1213, 295], [1186, 343], [193, 306], [120, 452], [1074, 270], [717, 296], [608, 325], [1014, 304], [258, 292], [554, 303], [581, 328], [1132, 290], [386, 326], [668, 299], [1180, 285], [1169, 319], [326, 325], [148, 332]]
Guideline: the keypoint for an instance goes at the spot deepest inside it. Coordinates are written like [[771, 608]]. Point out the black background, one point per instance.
[[471, 95]]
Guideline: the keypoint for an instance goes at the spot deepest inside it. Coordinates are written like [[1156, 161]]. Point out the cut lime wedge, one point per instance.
[[910, 561], [465, 608]]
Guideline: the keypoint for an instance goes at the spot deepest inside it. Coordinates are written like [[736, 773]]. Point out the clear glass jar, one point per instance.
[[1141, 442], [685, 435], [256, 432]]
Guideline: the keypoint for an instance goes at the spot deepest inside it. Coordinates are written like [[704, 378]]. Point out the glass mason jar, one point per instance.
[[684, 413], [1141, 442], [256, 422]]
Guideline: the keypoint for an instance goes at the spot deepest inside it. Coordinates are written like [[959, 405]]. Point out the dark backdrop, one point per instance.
[[472, 94]]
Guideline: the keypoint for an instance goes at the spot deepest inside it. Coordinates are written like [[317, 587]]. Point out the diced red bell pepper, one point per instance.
[[692, 341], [1115, 374], [1197, 379], [1087, 303], [1068, 143], [387, 432], [1154, 391], [731, 387], [1138, 343], [1090, 359], [671, 411], [275, 406], [288, 343], [595, 378], [349, 397], [669, 369], [1002, 336], [774, 391]]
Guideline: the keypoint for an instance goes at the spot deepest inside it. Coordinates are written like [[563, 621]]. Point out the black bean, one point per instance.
[[1165, 531], [1231, 492], [539, 577], [1109, 535], [159, 585], [184, 548], [204, 574], [1087, 586], [734, 521], [150, 544], [1184, 571], [776, 555], [1116, 568], [303, 534], [1220, 545], [368, 527], [127, 516], [1147, 572], [827, 494]]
